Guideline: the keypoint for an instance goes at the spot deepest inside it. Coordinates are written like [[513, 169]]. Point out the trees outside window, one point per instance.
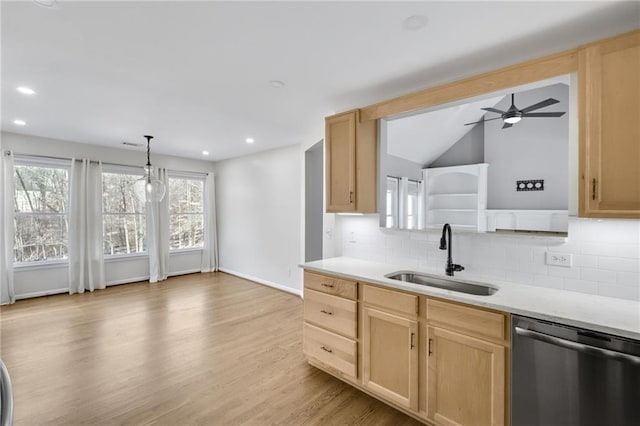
[[41, 221], [186, 212], [123, 215]]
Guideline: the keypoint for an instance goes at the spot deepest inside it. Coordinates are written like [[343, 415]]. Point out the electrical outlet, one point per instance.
[[560, 259]]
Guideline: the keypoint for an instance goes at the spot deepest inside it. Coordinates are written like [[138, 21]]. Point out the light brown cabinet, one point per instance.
[[351, 156], [390, 345], [441, 362], [466, 365], [330, 324], [609, 78]]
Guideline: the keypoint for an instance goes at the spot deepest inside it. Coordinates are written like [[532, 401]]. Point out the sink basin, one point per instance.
[[447, 284]]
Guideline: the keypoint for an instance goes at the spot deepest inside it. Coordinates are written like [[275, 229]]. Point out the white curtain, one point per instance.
[[86, 260], [6, 222], [210, 249], [158, 233]]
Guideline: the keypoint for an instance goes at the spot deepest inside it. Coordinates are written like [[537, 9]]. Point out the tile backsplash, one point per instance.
[[605, 253]]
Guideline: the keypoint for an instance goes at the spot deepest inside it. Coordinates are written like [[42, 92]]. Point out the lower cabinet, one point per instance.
[[441, 362], [466, 379], [390, 357]]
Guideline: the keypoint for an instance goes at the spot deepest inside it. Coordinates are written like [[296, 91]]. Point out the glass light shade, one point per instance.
[[512, 120], [149, 189]]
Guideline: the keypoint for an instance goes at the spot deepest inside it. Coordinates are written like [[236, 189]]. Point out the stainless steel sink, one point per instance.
[[447, 284]]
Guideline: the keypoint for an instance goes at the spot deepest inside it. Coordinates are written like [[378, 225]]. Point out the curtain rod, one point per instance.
[[8, 153]]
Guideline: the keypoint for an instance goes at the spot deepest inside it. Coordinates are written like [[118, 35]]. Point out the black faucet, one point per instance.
[[451, 267]]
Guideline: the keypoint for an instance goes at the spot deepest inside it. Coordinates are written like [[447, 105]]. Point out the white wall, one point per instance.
[[259, 205], [606, 254], [37, 280]]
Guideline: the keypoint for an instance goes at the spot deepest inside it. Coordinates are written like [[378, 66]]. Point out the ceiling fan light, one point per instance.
[[512, 120]]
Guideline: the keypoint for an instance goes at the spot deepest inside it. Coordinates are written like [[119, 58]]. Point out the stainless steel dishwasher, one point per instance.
[[563, 376]]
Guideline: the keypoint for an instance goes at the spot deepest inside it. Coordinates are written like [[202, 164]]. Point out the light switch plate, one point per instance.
[[559, 259]]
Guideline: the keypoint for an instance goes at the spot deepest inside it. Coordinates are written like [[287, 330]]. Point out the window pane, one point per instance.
[[186, 231], [38, 238], [185, 196], [40, 189], [118, 195], [124, 234]]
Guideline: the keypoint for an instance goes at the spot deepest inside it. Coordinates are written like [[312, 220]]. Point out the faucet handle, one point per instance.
[[457, 267]]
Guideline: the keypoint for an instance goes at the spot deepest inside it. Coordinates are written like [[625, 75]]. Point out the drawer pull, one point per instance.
[[326, 312], [412, 337], [430, 347], [325, 349], [326, 285]]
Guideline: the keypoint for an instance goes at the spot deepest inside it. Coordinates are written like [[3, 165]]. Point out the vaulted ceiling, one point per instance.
[[201, 75]]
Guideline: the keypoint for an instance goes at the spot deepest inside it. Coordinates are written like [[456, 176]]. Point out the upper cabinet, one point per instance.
[[351, 155], [609, 78]]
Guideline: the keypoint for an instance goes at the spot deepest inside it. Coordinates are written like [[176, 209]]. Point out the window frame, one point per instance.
[[173, 174], [48, 162], [124, 170]]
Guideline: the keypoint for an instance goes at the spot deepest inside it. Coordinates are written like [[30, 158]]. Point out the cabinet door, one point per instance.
[[390, 357], [340, 142], [609, 78], [465, 380]]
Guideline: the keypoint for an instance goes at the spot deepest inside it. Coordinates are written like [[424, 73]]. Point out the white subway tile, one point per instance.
[[631, 251], [600, 275], [560, 271], [599, 249], [619, 291], [580, 286], [519, 277], [585, 261], [547, 281], [629, 278], [618, 264]]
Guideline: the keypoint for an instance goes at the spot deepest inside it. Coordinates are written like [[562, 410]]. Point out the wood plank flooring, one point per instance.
[[201, 349]]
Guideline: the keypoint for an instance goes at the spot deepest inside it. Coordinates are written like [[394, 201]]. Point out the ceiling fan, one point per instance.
[[513, 114]]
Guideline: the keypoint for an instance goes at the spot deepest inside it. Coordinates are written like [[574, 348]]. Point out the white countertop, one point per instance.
[[605, 314]]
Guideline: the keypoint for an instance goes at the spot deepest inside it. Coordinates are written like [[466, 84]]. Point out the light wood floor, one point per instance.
[[199, 349]]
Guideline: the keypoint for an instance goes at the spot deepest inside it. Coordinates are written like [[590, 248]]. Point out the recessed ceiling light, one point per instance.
[[415, 22], [276, 84], [26, 90], [19, 122], [249, 140], [205, 152], [45, 3]]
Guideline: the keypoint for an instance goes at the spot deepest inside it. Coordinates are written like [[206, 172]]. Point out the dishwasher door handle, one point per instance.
[[576, 346]]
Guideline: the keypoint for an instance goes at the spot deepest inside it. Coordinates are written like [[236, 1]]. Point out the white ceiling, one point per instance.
[[196, 74]]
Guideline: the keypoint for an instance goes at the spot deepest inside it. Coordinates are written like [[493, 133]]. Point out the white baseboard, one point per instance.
[[41, 293], [128, 280], [188, 271], [262, 281]]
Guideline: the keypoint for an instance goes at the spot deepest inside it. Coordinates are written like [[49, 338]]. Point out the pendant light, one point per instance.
[[148, 188]]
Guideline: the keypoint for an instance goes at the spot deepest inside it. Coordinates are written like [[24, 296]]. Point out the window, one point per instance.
[[41, 201], [392, 202], [123, 215], [186, 211], [414, 201]]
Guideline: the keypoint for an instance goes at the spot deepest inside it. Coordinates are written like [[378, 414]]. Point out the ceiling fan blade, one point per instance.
[[507, 125], [497, 111], [539, 105], [544, 114], [482, 121]]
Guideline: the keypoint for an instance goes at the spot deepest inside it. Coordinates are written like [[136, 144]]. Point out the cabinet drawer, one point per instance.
[[471, 320], [331, 312], [332, 350], [391, 299], [330, 285]]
